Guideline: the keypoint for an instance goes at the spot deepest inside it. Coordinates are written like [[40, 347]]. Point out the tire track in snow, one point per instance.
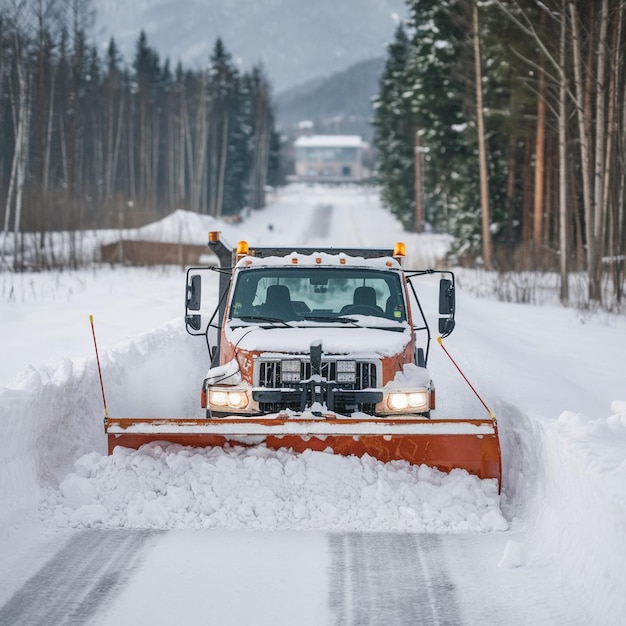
[[320, 224], [390, 578], [72, 586]]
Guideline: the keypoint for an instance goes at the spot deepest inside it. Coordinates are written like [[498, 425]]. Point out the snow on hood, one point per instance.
[[409, 377], [227, 374], [363, 342]]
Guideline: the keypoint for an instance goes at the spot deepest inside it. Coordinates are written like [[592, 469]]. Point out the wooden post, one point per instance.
[[482, 151], [419, 204]]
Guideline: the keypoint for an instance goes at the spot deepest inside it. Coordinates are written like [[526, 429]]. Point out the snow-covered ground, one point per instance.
[[555, 379]]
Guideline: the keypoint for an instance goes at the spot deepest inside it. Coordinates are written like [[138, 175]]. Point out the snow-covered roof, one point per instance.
[[329, 141], [318, 259]]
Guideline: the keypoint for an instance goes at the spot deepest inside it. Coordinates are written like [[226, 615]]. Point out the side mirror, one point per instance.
[[193, 321], [446, 297], [193, 301], [446, 306], [446, 326], [194, 294]]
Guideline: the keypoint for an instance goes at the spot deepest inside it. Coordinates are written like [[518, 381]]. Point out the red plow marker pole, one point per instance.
[[493, 417], [95, 345]]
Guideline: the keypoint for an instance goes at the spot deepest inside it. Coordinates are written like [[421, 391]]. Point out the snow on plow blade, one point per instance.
[[446, 444]]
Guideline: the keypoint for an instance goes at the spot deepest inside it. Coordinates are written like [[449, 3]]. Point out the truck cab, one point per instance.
[[322, 332]]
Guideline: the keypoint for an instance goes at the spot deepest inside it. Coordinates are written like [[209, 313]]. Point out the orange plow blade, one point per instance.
[[446, 444]]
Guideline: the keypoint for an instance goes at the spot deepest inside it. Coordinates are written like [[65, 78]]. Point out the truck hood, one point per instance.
[[370, 342]]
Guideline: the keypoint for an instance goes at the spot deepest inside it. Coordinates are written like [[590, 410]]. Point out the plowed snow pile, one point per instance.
[[171, 486]]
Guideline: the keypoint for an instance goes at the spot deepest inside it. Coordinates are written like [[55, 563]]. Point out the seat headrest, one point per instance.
[[365, 296], [278, 293]]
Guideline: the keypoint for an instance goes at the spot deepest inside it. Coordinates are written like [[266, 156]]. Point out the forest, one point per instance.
[[88, 141], [503, 122]]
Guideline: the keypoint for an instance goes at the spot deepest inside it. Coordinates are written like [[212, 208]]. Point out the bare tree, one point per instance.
[[197, 164], [563, 213], [262, 123], [540, 157], [21, 102]]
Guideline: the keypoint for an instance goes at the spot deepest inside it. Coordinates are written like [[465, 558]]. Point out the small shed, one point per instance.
[[134, 252]]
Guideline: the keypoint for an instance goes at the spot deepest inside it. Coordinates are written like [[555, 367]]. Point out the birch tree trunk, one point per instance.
[[221, 176], [599, 223], [563, 213], [613, 170], [261, 140], [583, 142], [538, 206], [21, 152], [201, 133]]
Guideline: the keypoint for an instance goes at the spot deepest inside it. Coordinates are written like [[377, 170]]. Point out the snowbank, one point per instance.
[[583, 469], [168, 486]]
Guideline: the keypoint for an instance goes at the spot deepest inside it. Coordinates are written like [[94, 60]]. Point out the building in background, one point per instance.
[[330, 158]]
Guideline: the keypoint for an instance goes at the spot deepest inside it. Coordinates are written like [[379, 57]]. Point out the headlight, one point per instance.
[[418, 399], [237, 399], [290, 371], [346, 371], [232, 399], [399, 401], [220, 398]]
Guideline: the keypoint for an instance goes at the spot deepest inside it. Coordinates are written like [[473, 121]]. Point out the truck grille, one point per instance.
[[270, 374], [269, 377]]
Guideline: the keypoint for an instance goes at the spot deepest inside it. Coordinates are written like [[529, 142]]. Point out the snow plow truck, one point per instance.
[[323, 349]]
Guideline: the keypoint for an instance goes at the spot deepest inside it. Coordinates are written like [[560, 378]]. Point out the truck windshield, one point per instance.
[[298, 293]]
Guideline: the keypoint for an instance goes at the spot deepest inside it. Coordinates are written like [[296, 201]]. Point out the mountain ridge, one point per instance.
[[338, 104], [295, 42]]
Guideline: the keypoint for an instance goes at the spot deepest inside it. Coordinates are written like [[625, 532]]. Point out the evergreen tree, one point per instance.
[[440, 100], [426, 109], [148, 99], [395, 126], [237, 169], [108, 145], [223, 89]]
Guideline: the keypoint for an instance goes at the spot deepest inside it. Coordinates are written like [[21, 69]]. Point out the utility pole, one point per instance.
[[419, 202], [482, 151]]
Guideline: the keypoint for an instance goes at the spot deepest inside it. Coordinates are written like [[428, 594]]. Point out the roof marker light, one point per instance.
[[399, 249], [318, 260]]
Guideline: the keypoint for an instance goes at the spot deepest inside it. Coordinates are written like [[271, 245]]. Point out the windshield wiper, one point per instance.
[[349, 320], [330, 318], [261, 318]]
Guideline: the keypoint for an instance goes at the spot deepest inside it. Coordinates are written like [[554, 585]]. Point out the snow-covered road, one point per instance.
[[127, 577], [262, 539]]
